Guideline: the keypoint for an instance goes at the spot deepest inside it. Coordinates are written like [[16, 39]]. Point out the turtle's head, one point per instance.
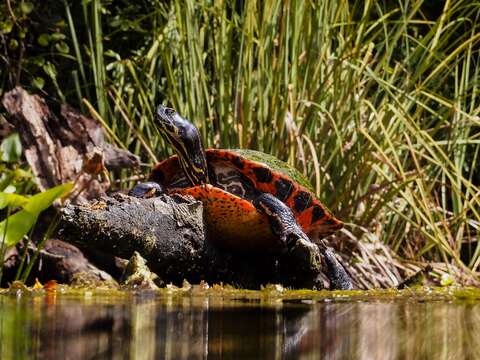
[[185, 139]]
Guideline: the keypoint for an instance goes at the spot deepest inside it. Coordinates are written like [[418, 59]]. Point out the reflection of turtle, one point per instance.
[[252, 201]]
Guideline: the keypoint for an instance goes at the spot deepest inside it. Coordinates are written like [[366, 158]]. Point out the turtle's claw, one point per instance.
[[306, 254]]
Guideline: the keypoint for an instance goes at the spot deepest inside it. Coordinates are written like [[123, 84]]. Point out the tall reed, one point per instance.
[[376, 101]]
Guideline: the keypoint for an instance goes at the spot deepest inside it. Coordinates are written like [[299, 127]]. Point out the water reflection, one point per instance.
[[61, 327]]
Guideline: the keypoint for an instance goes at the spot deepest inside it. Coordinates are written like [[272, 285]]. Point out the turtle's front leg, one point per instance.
[[285, 226], [146, 190]]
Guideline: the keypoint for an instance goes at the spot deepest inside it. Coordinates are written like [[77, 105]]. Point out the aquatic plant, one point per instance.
[[22, 212]]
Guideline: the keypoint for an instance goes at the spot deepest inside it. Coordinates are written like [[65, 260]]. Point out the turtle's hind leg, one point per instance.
[[337, 275], [146, 190], [285, 226]]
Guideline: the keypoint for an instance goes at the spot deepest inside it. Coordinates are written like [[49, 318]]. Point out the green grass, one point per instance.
[[377, 102]]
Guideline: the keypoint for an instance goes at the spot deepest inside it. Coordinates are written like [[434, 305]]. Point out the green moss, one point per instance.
[[271, 294]]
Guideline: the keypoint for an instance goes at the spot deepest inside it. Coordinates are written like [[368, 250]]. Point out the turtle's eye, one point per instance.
[[170, 111], [166, 118]]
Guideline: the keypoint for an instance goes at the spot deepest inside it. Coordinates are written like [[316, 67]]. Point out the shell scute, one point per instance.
[[301, 201]]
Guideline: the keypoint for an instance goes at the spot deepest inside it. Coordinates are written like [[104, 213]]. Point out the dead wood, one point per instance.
[[58, 139], [58, 261], [5, 128]]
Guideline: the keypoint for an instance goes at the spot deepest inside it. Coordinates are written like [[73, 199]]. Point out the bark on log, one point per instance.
[[169, 233], [121, 225]]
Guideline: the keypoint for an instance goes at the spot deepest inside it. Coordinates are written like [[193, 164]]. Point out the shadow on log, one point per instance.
[[169, 233]]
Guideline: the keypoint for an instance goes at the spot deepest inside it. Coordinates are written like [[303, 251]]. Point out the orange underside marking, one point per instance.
[[233, 223]]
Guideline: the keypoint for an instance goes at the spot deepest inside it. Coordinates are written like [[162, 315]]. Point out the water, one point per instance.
[[197, 326]]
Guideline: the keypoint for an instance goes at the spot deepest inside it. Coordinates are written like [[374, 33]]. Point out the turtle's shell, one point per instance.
[[237, 176]]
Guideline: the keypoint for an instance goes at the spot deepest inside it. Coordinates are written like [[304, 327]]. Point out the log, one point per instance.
[[169, 233], [58, 261]]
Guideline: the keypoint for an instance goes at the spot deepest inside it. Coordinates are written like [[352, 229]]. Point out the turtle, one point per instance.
[[253, 202]]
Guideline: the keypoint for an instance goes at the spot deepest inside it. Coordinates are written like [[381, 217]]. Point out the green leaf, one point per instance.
[[13, 44], [58, 36], [50, 70], [6, 26], [26, 7], [16, 226], [10, 189], [13, 229], [37, 60], [113, 54], [22, 174], [60, 23], [43, 40], [117, 21], [12, 200], [38, 82], [6, 179], [39, 202], [11, 148], [62, 47]]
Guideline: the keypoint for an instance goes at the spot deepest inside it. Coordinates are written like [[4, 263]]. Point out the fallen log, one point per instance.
[[169, 233], [57, 260]]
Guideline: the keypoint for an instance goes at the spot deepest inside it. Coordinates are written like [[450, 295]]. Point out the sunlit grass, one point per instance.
[[378, 104]]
